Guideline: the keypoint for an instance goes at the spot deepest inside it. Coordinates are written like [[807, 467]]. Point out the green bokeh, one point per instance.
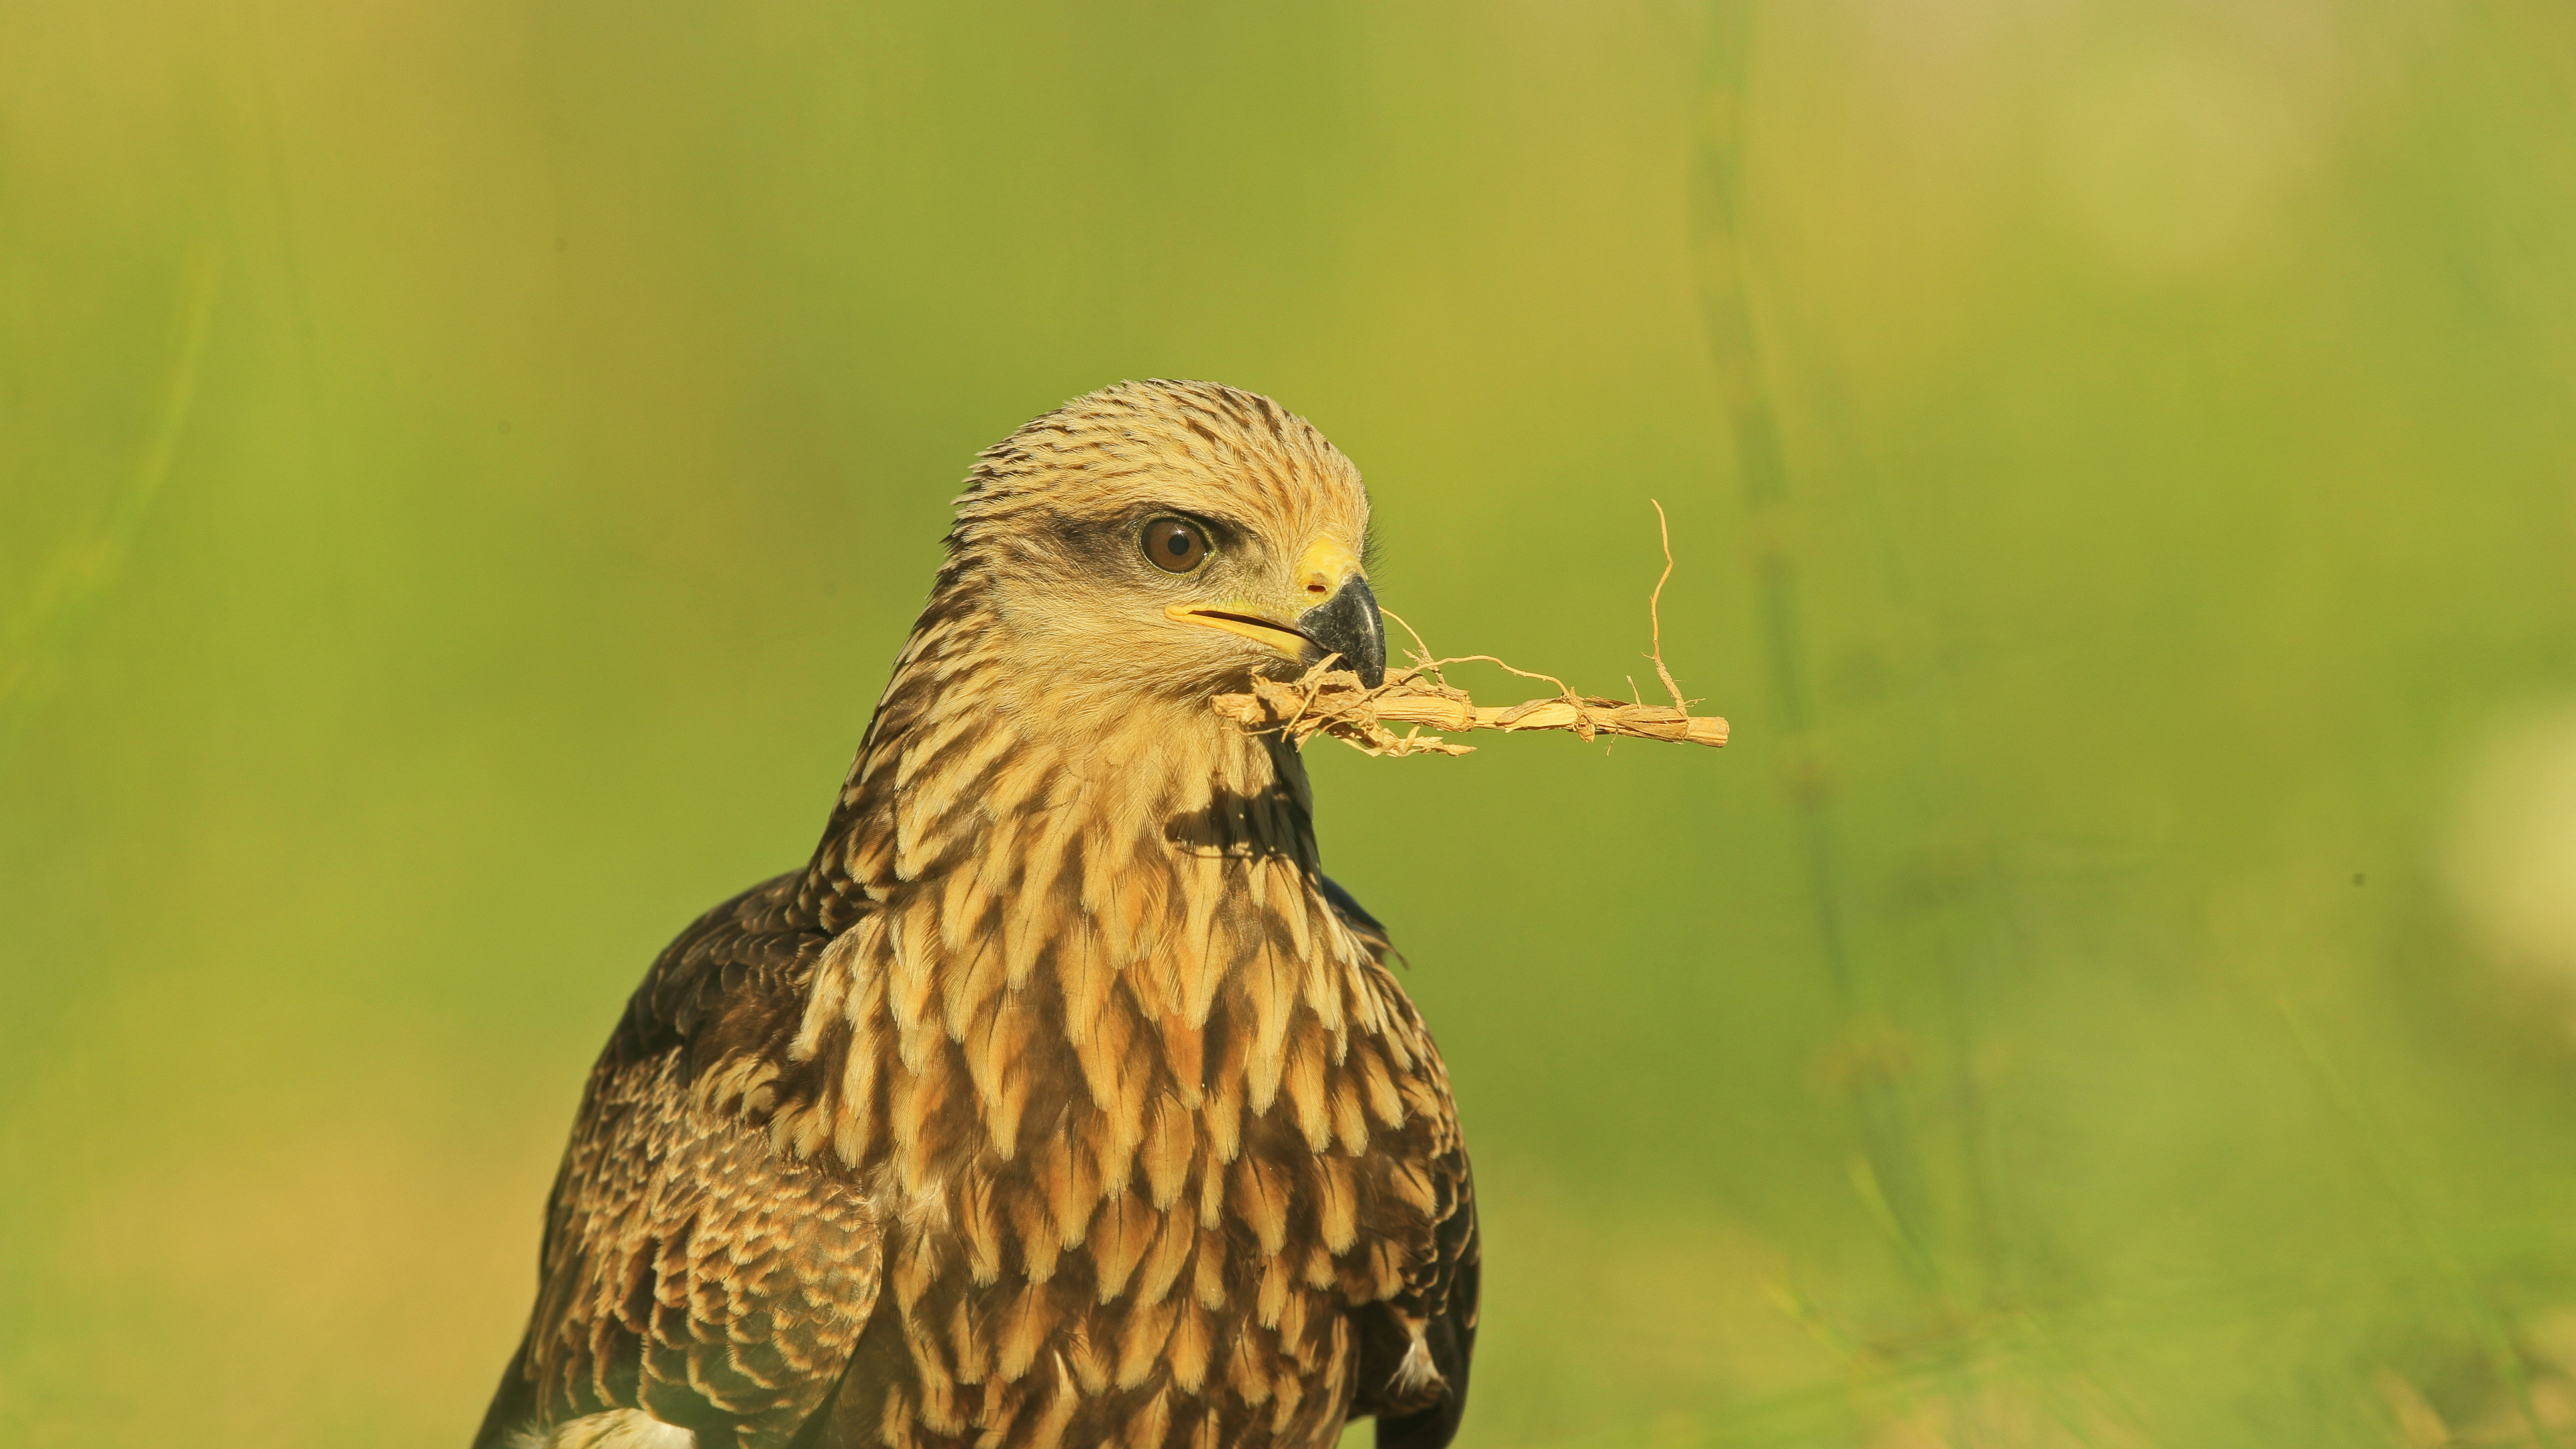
[[465, 468]]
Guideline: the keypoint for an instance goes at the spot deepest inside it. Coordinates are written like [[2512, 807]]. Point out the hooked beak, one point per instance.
[[1347, 624]]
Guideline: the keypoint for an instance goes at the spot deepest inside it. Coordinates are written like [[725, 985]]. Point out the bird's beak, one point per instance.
[[1345, 624]]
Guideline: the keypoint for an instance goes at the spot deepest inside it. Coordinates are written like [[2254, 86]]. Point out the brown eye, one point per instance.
[[1175, 545]]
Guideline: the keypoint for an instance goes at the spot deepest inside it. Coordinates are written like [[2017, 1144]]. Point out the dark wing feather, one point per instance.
[[1439, 1294], [689, 1269], [1443, 1294], [1355, 915]]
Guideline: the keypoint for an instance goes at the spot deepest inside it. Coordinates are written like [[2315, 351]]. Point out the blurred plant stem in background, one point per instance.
[[1890, 1177], [70, 584]]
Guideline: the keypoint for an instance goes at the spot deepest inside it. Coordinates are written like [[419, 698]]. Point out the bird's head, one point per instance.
[[1166, 540]]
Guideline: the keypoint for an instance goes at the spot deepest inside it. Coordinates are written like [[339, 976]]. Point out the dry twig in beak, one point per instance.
[[1330, 701]]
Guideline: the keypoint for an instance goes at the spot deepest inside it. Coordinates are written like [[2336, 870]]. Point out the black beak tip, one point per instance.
[[1347, 624]]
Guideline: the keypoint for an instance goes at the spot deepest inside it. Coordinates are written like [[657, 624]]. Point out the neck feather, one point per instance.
[[974, 763], [1016, 894]]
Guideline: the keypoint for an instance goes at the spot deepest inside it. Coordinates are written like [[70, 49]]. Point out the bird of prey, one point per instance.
[[1059, 1101]]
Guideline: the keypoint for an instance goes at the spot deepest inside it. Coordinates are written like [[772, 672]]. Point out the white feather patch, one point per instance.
[[1416, 1372], [616, 1429]]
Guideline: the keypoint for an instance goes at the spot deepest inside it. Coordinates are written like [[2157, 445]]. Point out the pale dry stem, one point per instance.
[[1654, 615], [1331, 701]]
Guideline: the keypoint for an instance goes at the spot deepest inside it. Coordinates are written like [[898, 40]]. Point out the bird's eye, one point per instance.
[[1175, 545]]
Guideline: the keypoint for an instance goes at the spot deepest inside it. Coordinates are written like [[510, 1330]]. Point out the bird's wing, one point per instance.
[[1435, 1318], [1415, 1347], [689, 1269]]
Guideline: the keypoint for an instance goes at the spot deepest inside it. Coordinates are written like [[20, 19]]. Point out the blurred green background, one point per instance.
[[465, 468]]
